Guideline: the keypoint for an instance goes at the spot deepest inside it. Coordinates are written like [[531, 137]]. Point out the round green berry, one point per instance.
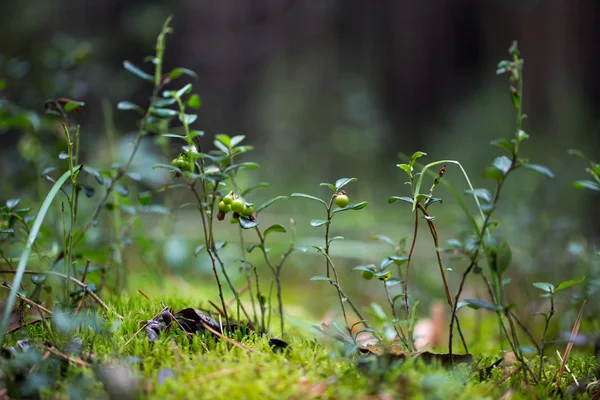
[[224, 207], [247, 211], [367, 274], [341, 200], [228, 199], [238, 206]]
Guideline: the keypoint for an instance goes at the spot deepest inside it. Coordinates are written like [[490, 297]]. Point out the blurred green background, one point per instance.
[[324, 89]]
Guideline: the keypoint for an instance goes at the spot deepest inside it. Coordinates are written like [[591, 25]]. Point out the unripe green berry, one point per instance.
[[247, 211], [368, 275], [238, 206], [224, 207], [228, 199], [341, 200]]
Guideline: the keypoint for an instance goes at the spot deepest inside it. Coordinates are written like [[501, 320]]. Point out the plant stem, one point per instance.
[[410, 253], [542, 346]]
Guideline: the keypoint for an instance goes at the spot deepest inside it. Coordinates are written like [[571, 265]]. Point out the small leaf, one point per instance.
[[247, 223], [329, 185], [566, 284], [392, 282], [199, 249], [407, 168], [540, 169], [72, 105], [493, 173], [585, 184], [545, 286], [307, 196], [320, 278], [522, 135], [504, 144], [137, 72], [502, 164], [188, 119], [336, 238], [318, 222], [237, 140], [220, 245], [87, 190], [184, 90], [578, 153], [273, 229], [194, 101], [385, 239], [393, 199], [163, 112], [477, 304], [503, 256], [399, 259], [179, 71], [482, 194], [63, 155], [156, 209], [127, 105], [122, 190], [415, 156], [252, 247], [268, 202], [357, 206], [12, 203], [340, 183], [144, 198]]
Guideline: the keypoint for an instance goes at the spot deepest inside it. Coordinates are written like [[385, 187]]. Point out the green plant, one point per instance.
[[330, 212]]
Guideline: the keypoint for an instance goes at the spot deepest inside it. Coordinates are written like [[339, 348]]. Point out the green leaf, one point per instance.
[[370, 268], [385, 239], [72, 105], [174, 136], [144, 198], [578, 153], [127, 105], [477, 304], [407, 168], [237, 140], [545, 286], [184, 90], [415, 156], [137, 72], [329, 185], [566, 284], [12, 203], [252, 247], [199, 249], [540, 169], [493, 173], [357, 206], [399, 259], [159, 103], [188, 119], [502, 164], [33, 233], [340, 183], [273, 229], [308, 196], [224, 139], [393, 199], [122, 190], [246, 165], [268, 203], [522, 135], [504, 144], [336, 238], [167, 166], [586, 184], [247, 223], [503, 256], [177, 72], [482, 194], [392, 282], [320, 278], [194, 102], [318, 222], [163, 112]]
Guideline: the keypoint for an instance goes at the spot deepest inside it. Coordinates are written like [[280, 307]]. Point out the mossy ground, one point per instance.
[[202, 367]]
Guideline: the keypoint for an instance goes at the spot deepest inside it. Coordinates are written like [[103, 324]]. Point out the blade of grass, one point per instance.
[[570, 345], [16, 283]]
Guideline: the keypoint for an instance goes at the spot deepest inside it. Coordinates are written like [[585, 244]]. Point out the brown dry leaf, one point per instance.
[[443, 358]]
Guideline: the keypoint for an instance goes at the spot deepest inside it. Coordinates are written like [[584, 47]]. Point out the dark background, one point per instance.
[[327, 88]]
